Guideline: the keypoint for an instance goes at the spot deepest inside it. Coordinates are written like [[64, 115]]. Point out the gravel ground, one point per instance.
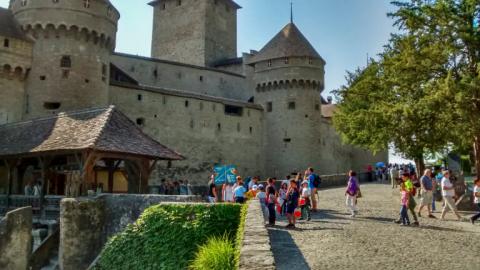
[[333, 240]]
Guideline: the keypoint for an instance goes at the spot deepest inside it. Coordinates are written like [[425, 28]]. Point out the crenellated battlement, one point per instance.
[[92, 20], [289, 84], [60, 30]]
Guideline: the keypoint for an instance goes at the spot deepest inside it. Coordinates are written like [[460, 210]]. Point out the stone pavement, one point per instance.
[[333, 240]]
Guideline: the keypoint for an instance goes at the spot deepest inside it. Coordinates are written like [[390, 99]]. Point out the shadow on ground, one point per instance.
[[286, 253]]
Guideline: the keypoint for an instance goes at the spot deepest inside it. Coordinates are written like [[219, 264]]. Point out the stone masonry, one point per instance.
[[16, 239]]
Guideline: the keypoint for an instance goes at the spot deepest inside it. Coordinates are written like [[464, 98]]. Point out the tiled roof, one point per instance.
[[235, 5], [288, 42], [100, 129], [328, 110], [9, 26]]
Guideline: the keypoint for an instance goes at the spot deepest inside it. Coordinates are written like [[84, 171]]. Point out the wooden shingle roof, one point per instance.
[[287, 43], [99, 129]]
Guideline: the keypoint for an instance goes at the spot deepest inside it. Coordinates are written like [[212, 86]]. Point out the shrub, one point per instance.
[[217, 254], [167, 236]]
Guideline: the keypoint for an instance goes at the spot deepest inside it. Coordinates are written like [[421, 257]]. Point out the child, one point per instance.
[[305, 199], [292, 203], [262, 197], [283, 198], [351, 193], [239, 191], [252, 193], [404, 201]]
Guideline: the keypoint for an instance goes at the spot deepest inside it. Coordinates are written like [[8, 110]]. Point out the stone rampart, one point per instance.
[[256, 251], [16, 239]]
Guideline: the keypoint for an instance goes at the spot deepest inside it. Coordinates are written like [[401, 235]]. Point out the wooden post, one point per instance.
[[12, 175], [111, 170]]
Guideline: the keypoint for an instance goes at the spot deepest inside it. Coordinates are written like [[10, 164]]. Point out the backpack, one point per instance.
[[317, 181]]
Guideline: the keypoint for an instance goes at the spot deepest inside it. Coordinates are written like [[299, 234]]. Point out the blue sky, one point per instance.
[[342, 31]]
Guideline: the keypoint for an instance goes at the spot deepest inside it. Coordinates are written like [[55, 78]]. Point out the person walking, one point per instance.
[[283, 198], [408, 186], [476, 199], [404, 220], [271, 201], [227, 192], [426, 185], [447, 193], [305, 200], [351, 193], [292, 203], [314, 183], [393, 176]]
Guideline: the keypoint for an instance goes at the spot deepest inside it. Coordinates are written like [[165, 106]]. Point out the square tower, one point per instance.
[[198, 32]]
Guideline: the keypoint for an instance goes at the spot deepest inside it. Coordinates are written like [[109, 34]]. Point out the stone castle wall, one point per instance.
[[205, 29], [16, 239], [200, 80], [197, 127], [73, 41], [15, 61]]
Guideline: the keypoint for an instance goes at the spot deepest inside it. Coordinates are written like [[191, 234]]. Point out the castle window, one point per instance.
[[109, 11], [179, 2], [164, 100], [155, 73], [86, 3], [27, 103], [6, 43], [201, 78], [186, 103], [52, 105], [139, 97], [269, 106], [201, 106], [140, 121], [7, 68], [66, 62], [65, 73], [291, 105], [287, 140], [251, 130], [104, 71], [310, 60], [24, 3], [55, 1], [43, 77], [317, 107], [179, 75], [192, 124], [87, 80], [269, 64], [219, 126], [164, 6], [286, 60], [233, 110]]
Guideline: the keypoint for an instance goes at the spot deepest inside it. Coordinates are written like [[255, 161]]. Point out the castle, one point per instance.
[[262, 112]]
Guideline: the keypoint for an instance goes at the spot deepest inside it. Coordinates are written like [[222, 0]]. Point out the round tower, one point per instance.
[[73, 41], [289, 77]]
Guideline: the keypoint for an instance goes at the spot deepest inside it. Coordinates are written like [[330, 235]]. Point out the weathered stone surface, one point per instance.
[[16, 239], [81, 228], [256, 249]]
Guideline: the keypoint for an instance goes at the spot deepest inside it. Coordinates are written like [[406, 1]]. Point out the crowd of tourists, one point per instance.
[[296, 196], [180, 187]]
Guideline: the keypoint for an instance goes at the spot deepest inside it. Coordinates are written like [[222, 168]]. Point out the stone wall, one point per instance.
[[16, 239], [174, 75], [256, 251], [199, 128], [87, 223]]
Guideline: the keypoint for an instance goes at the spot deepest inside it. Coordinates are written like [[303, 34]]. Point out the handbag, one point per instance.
[[359, 194]]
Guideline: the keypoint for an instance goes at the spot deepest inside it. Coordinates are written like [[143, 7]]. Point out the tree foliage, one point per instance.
[[423, 92]]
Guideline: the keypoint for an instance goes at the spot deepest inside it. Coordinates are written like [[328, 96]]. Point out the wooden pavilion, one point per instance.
[[64, 155]]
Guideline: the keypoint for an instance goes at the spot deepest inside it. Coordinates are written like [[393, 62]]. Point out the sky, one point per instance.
[[343, 32]]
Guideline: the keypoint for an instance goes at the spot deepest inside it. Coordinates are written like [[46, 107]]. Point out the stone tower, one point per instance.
[[73, 41], [198, 32], [289, 77], [15, 62]]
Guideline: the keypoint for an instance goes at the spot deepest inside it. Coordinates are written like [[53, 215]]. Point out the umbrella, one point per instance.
[[380, 164]]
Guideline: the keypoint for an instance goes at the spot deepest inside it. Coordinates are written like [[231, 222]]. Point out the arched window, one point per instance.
[[24, 3], [6, 43], [66, 62], [86, 3]]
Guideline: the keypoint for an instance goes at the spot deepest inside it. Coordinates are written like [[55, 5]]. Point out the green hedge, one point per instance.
[[217, 254], [167, 236]]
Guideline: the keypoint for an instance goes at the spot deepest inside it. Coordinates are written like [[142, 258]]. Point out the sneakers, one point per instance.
[[416, 224], [290, 226], [432, 216]]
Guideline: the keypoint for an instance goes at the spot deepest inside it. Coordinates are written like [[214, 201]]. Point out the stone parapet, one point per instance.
[[16, 239], [256, 251]]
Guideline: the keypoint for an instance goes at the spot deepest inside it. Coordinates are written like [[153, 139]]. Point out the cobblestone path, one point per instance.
[[333, 240]]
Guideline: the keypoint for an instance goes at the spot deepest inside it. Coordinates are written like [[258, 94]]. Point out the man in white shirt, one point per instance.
[[476, 199], [447, 193], [393, 176]]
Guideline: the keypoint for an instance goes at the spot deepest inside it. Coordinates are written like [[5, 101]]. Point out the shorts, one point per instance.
[[449, 203], [427, 197], [291, 208], [239, 199]]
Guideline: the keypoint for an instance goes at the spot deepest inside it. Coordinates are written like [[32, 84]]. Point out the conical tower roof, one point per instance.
[[288, 42]]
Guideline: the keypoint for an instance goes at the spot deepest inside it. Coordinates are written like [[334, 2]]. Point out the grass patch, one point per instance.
[[168, 236], [217, 254]]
